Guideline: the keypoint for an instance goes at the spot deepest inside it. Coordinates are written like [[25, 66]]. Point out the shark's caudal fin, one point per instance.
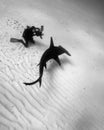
[[38, 80], [51, 43]]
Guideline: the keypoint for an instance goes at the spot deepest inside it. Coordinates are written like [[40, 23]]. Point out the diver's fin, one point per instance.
[[51, 43], [57, 60]]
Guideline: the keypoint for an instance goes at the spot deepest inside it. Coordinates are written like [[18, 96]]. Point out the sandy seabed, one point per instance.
[[71, 96]]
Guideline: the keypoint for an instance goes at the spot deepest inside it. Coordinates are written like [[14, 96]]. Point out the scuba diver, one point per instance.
[[28, 34]]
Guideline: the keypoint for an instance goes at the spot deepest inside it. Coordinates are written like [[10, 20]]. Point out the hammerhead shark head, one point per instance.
[[51, 53]]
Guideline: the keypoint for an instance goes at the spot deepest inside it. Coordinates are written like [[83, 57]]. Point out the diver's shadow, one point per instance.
[[40, 44]]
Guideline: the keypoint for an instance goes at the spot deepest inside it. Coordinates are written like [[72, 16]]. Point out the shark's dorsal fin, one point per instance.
[[51, 42]]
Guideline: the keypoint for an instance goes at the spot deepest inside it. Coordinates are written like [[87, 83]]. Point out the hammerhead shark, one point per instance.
[[51, 53]]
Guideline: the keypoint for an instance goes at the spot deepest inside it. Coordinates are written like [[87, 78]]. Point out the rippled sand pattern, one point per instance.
[[71, 96], [25, 107], [19, 106]]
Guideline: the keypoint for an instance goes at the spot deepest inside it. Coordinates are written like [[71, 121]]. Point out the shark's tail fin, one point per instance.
[[38, 80]]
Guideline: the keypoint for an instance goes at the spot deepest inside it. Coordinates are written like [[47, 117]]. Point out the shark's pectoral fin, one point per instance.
[[57, 60], [63, 50], [67, 53], [45, 66]]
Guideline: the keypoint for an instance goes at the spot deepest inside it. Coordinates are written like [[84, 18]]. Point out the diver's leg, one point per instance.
[[26, 43], [32, 40]]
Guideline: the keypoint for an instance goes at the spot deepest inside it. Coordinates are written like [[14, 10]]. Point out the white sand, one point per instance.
[[71, 96]]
